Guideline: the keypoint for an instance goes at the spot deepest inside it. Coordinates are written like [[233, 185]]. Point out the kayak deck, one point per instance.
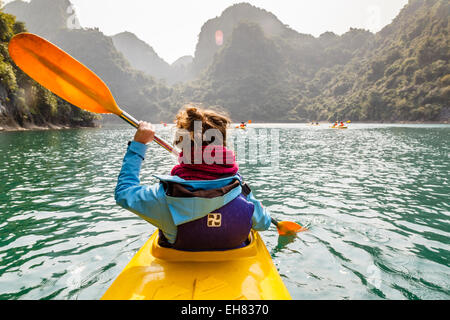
[[157, 273]]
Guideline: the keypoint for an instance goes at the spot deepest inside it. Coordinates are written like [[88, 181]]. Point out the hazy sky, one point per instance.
[[171, 27]]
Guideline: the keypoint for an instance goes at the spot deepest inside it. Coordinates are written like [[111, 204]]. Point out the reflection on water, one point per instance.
[[375, 199]]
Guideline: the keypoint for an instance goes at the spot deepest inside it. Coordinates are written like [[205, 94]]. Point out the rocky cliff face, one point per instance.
[[144, 96], [251, 64], [23, 102]]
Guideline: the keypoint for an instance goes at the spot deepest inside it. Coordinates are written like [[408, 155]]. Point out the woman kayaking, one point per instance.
[[202, 205]]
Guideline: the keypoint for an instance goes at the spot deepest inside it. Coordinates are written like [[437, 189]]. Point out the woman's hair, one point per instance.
[[206, 118]]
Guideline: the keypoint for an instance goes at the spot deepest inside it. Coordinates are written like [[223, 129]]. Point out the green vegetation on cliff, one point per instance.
[[140, 94], [276, 74], [266, 71], [23, 102], [403, 74]]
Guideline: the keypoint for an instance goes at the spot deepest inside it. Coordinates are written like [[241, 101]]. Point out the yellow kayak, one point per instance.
[[339, 127], [157, 273]]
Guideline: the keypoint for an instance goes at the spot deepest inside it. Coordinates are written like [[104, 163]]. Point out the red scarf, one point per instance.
[[212, 167]]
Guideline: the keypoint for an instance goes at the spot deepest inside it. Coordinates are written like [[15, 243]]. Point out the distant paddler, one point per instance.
[[243, 125], [339, 125]]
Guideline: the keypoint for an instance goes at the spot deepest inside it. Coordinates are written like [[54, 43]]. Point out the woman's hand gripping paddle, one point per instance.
[[60, 73]]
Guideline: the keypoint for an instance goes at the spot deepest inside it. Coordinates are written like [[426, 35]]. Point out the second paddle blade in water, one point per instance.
[[288, 228]]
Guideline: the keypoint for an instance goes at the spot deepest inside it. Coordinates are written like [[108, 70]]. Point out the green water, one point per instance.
[[375, 199]]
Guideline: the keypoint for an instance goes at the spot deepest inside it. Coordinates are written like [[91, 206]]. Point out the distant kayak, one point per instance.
[[157, 273], [339, 127]]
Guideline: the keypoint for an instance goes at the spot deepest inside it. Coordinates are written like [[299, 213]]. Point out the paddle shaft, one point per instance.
[[135, 123], [275, 222]]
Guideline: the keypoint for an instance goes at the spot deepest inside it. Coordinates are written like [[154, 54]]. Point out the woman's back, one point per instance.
[[204, 204]]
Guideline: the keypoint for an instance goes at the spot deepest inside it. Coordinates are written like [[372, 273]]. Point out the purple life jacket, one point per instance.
[[225, 228]]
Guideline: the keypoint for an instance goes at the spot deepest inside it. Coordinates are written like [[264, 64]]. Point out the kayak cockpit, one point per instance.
[[158, 273], [173, 255]]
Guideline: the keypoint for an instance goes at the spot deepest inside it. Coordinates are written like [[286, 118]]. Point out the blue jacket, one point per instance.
[[166, 213]]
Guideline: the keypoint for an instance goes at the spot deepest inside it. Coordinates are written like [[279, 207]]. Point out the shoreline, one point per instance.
[[99, 126], [354, 122], [4, 128], [393, 122], [369, 122]]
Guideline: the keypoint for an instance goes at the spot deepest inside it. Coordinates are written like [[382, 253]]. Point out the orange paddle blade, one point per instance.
[[59, 72], [287, 228]]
